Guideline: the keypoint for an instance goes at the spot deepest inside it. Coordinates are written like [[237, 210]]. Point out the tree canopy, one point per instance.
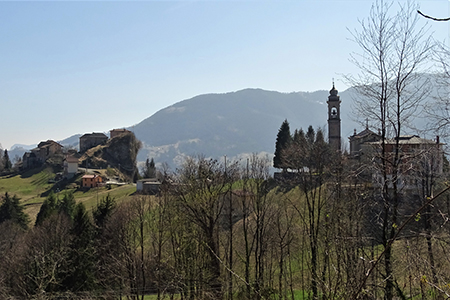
[[7, 165], [283, 140], [48, 207], [11, 209], [149, 170]]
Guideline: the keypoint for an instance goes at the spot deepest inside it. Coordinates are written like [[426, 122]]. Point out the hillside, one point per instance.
[[33, 186], [232, 124]]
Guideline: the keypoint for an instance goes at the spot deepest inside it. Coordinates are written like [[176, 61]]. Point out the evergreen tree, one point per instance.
[[299, 137], [311, 135], [11, 209], [320, 139], [284, 138], [7, 165], [48, 207], [81, 258], [1, 161], [152, 169], [306, 150], [103, 210], [149, 169], [298, 150], [67, 205]]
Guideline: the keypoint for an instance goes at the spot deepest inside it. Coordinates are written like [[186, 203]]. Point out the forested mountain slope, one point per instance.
[[232, 124]]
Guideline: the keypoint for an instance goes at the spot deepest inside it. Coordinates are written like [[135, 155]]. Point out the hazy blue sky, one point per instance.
[[78, 67]]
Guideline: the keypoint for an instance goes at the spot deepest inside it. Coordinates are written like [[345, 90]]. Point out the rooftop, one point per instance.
[[409, 140], [94, 135], [89, 176]]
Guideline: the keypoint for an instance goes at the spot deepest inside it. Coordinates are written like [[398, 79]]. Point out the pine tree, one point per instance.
[[48, 207], [1, 160], [299, 137], [149, 169], [11, 209], [284, 138], [152, 169], [67, 205], [81, 258], [7, 165], [310, 135], [298, 150], [103, 210]]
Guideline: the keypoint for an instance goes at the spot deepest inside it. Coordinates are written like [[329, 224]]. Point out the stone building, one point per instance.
[[41, 153], [90, 140], [116, 132]]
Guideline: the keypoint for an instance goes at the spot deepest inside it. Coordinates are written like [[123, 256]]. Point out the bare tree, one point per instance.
[[12, 254], [259, 226], [394, 50], [119, 247], [46, 259], [310, 156], [201, 186]]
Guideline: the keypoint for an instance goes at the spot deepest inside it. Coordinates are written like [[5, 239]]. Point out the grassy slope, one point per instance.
[[32, 186]]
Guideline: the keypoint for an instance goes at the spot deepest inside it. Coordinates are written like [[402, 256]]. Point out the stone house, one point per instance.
[[29, 160], [47, 149], [90, 140], [116, 132], [41, 153]]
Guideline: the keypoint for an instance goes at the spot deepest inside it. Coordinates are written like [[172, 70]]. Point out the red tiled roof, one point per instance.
[[89, 176]]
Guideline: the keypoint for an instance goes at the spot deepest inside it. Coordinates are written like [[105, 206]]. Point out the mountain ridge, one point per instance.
[[234, 124]]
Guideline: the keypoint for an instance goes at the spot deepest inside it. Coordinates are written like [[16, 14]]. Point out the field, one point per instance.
[[32, 188]]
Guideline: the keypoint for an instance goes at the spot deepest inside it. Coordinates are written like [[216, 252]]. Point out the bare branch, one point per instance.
[[432, 18]]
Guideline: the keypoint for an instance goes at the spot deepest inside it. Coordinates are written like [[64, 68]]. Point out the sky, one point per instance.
[[69, 67]]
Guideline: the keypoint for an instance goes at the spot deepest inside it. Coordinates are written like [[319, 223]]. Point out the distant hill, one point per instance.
[[22, 146], [17, 150], [233, 124], [71, 142]]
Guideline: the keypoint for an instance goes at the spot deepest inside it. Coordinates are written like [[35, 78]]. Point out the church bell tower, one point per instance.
[[334, 119]]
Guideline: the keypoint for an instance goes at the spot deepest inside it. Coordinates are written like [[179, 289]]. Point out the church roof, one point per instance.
[[364, 133], [409, 140], [333, 94], [333, 91]]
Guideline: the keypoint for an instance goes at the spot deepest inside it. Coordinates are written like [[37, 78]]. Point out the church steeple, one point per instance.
[[334, 119]]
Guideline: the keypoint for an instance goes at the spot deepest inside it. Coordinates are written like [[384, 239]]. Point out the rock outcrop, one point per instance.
[[119, 152]]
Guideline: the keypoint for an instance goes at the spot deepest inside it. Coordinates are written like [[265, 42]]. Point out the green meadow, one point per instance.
[[32, 188]]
